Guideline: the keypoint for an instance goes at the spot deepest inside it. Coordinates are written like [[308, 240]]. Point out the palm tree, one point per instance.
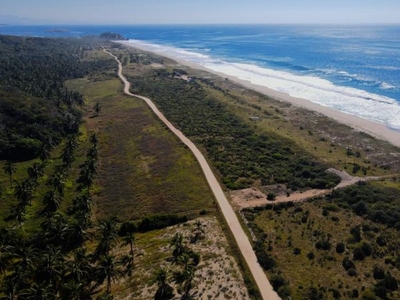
[[37, 292], [5, 259], [17, 212], [45, 149], [164, 291], [51, 202], [79, 269], [68, 156], [25, 258], [128, 239], [56, 230], [185, 277], [77, 278], [34, 172], [128, 260], [24, 192], [108, 231], [82, 204], [9, 168], [12, 284], [179, 247], [50, 267], [57, 181], [86, 178], [198, 231], [108, 269], [83, 219], [78, 234], [93, 153]]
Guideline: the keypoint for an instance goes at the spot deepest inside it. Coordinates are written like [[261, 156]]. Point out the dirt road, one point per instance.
[[242, 240], [252, 197]]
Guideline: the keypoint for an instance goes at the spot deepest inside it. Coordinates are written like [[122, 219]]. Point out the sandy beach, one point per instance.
[[372, 128]]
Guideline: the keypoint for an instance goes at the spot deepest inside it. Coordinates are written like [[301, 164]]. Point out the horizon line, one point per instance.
[[197, 24]]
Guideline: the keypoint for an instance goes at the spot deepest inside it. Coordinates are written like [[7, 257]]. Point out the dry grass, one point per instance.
[[217, 276], [144, 169]]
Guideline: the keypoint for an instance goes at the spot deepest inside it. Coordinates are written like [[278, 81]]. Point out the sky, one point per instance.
[[199, 11]]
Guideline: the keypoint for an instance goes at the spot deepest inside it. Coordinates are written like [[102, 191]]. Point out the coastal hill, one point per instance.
[[111, 36]]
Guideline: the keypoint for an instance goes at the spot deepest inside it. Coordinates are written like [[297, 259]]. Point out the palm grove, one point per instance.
[[45, 230]]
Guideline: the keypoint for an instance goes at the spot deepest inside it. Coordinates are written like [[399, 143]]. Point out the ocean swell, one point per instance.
[[322, 91]]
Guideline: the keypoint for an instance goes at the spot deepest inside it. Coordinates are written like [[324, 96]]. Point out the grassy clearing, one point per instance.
[[144, 169]]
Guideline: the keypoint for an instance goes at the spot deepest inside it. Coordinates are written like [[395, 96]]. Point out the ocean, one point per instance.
[[353, 69]]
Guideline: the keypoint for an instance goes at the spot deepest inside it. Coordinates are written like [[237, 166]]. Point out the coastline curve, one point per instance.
[[264, 286]]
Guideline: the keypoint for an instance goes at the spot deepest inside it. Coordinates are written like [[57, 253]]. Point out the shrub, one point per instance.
[[348, 264], [160, 221], [271, 196], [354, 293], [296, 251], [340, 247], [358, 254], [352, 272], [390, 282], [381, 241], [366, 249], [263, 258], [323, 245], [127, 227], [378, 272], [310, 255], [277, 281]]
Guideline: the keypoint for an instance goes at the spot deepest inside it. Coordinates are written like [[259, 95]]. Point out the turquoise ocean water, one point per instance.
[[354, 69]]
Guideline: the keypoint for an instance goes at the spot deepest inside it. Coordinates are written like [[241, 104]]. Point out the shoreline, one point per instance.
[[375, 129]]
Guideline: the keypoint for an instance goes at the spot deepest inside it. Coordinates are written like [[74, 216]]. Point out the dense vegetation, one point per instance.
[[36, 110], [52, 261], [241, 155], [343, 247], [372, 202], [46, 206]]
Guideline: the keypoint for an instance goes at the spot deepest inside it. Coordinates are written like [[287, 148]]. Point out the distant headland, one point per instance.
[[112, 36], [57, 30]]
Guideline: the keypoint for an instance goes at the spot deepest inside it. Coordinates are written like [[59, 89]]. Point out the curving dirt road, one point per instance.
[[252, 197], [242, 240]]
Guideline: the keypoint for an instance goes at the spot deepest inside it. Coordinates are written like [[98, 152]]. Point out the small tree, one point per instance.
[[178, 245], [198, 232], [164, 291], [340, 247], [97, 108], [271, 196], [9, 168]]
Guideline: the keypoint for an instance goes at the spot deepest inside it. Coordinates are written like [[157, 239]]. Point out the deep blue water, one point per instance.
[[355, 69]]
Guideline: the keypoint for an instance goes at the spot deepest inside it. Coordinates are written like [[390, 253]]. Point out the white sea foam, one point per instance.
[[346, 99]]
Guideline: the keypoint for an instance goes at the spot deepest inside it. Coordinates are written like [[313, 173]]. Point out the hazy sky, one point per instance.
[[203, 11]]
